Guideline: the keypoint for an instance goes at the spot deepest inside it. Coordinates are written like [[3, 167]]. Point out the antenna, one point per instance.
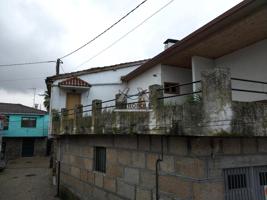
[[34, 93]]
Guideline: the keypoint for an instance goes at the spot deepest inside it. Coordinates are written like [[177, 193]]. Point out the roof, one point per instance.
[[10, 108], [96, 70], [74, 81], [241, 26]]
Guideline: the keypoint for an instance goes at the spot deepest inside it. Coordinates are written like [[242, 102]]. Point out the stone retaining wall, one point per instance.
[[192, 167]]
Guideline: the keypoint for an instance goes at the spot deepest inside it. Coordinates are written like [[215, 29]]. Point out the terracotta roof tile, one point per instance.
[[75, 81]]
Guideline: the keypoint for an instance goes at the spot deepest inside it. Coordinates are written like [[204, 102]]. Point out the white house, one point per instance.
[[81, 87], [210, 149], [236, 40]]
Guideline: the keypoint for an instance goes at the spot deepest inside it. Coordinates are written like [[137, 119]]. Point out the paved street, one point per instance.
[[27, 179]]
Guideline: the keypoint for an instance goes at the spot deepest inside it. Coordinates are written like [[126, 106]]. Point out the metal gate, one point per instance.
[[245, 183]]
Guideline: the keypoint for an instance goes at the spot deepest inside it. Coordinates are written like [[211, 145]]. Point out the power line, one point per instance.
[[27, 63], [22, 79], [104, 30], [126, 34]]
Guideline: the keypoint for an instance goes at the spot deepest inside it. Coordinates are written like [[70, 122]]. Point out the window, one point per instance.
[[237, 181], [6, 122], [28, 122], [100, 159], [171, 88]]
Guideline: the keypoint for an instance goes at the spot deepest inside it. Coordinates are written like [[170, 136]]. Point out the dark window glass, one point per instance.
[[237, 181], [6, 122], [263, 178], [100, 159], [28, 122], [171, 88]]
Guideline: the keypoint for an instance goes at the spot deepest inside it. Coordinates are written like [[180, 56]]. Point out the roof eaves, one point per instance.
[[191, 38]]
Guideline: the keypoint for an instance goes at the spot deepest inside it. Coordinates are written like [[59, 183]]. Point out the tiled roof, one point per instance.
[[96, 70], [74, 81], [10, 108]]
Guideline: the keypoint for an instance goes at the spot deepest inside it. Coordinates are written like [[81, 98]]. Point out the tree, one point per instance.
[[46, 100]]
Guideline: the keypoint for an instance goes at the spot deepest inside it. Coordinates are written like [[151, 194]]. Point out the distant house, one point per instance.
[[25, 131]]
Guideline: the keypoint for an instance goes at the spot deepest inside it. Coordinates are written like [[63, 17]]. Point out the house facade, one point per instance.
[[202, 134], [81, 87], [24, 132]]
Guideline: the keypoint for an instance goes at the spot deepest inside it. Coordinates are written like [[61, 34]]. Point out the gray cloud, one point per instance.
[[44, 30]]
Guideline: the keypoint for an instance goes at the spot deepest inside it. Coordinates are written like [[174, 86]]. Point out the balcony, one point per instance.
[[208, 111]]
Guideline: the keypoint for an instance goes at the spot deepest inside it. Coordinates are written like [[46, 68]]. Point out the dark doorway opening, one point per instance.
[[27, 147], [48, 147]]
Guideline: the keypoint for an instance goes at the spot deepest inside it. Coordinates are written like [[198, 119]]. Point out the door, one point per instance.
[[27, 147], [73, 99]]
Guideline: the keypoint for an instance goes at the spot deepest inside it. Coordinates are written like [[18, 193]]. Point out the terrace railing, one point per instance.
[[207, 111]]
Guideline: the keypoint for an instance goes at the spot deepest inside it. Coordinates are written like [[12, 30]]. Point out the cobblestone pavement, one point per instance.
[[27, 179]]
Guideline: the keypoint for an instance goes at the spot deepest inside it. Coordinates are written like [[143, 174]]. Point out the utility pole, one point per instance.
[[58, 66]]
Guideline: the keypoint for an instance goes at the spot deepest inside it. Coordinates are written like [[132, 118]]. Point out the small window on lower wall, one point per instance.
[[171, 88], [100, 159], [28, 122]]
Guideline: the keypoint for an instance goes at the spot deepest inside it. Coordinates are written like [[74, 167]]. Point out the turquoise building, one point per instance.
[[25, 131]]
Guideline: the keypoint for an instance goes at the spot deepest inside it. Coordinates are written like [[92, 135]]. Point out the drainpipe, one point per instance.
[[157, 168]]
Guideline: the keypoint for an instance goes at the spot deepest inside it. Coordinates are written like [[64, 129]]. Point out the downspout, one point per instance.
[[157, 168]]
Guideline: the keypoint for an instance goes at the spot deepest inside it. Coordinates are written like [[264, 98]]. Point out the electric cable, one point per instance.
[[106, 30], [27, 63], [126, 34]]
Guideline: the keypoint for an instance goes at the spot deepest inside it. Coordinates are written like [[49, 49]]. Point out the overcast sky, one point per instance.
[[36, 30]]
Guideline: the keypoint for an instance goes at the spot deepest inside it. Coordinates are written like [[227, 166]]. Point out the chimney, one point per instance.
[[169, 42]]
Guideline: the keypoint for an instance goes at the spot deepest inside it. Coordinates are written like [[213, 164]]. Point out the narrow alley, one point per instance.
[[27, 179]]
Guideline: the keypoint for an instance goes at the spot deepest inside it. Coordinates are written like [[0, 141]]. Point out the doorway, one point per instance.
[[73, 99], [27, 147]]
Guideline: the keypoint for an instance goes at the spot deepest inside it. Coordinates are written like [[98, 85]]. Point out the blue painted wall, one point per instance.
[[15, 129]]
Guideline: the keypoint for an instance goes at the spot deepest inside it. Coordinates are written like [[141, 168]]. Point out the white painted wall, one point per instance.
[[247, 63], [160, 74], [147, 78], [104, 86], [176, 75]]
